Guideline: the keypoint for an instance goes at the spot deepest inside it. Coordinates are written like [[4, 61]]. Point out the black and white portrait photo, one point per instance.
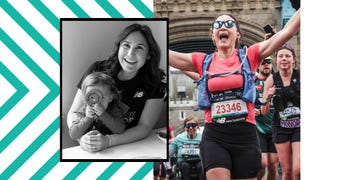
[[113, 89]]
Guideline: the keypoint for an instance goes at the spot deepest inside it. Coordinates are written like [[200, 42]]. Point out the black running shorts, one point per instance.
[[266, 143], [232, 146], [281, 134]]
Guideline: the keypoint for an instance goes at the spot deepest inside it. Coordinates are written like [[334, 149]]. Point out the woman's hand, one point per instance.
[[268, 35], [94, 141], [271, 45], [271, 91], [257, 112]]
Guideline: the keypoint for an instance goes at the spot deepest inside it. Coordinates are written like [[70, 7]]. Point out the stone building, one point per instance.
[[189, 31]]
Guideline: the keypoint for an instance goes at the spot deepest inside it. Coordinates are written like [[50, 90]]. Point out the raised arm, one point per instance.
[[280, 38], [269, 91], [181, 61]]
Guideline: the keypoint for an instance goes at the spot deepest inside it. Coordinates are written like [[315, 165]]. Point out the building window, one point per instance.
[[182, 115], [287, 11]]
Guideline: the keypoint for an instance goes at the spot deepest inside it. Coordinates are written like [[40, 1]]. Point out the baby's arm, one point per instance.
[[115, 121], [80, 123]]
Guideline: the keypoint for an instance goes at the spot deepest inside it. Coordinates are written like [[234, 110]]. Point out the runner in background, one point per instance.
[[284, 86], [269, 159]]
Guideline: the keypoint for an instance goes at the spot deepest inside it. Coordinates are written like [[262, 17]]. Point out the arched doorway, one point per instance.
[[192, 34]]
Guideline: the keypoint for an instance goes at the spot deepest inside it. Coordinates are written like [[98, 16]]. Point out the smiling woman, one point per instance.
[[134, 66], [185, 148], [230, 149]]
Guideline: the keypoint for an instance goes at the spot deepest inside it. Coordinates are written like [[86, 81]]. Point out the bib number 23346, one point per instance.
[[230, 108]]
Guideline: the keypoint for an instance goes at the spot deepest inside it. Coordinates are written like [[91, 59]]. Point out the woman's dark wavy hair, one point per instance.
[[150, 71]]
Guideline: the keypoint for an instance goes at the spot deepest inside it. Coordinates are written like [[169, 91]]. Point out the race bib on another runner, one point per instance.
[[290, 117], [190, 150], [167, 165]]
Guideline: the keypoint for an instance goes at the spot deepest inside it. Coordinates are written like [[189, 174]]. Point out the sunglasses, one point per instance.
[[188, 125], [266, 62], [228, 24]]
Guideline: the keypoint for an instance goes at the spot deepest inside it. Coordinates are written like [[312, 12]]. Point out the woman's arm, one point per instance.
[[182, 61], [149, 116], [173, 147], [94, 141], [269, 90], [280, 38], [193, 75], [78, 123], [76, 106], [113, 119], [79, 126], [114, 122]]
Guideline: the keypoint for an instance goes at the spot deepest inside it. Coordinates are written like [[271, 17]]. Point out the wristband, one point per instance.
[[268, 99], [109, 138]]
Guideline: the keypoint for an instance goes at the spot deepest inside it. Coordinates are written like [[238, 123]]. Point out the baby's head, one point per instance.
[[100, 88]]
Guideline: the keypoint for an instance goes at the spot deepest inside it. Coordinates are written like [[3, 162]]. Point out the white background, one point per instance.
[[330, 99]]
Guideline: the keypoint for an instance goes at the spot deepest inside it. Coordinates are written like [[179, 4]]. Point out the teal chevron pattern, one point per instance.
[[20, 93], [30, 89]]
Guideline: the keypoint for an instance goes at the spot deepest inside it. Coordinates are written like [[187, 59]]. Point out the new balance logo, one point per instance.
[[138, 94]]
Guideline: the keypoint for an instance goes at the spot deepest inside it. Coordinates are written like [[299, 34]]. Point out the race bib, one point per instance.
[[229, 111], [190, 150], [167, 165], [290, 117]]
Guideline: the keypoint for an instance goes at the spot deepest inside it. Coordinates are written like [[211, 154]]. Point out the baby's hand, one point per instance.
[[98, 109], [89, 112]]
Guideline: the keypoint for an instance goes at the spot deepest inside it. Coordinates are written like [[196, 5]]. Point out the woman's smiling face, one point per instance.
[[285, 59], [133, 52]]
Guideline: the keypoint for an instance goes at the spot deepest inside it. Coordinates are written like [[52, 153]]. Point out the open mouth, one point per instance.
[[223, 36], [130, 61]]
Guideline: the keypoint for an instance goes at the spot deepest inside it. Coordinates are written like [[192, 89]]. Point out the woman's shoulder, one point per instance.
[[297, 72], [253, 54], [103, 64], [197, 60], [198, 56], [99, 65], [183, 135], [158, 87]]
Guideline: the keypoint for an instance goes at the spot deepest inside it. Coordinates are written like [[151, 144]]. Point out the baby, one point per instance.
[[102, 110]]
